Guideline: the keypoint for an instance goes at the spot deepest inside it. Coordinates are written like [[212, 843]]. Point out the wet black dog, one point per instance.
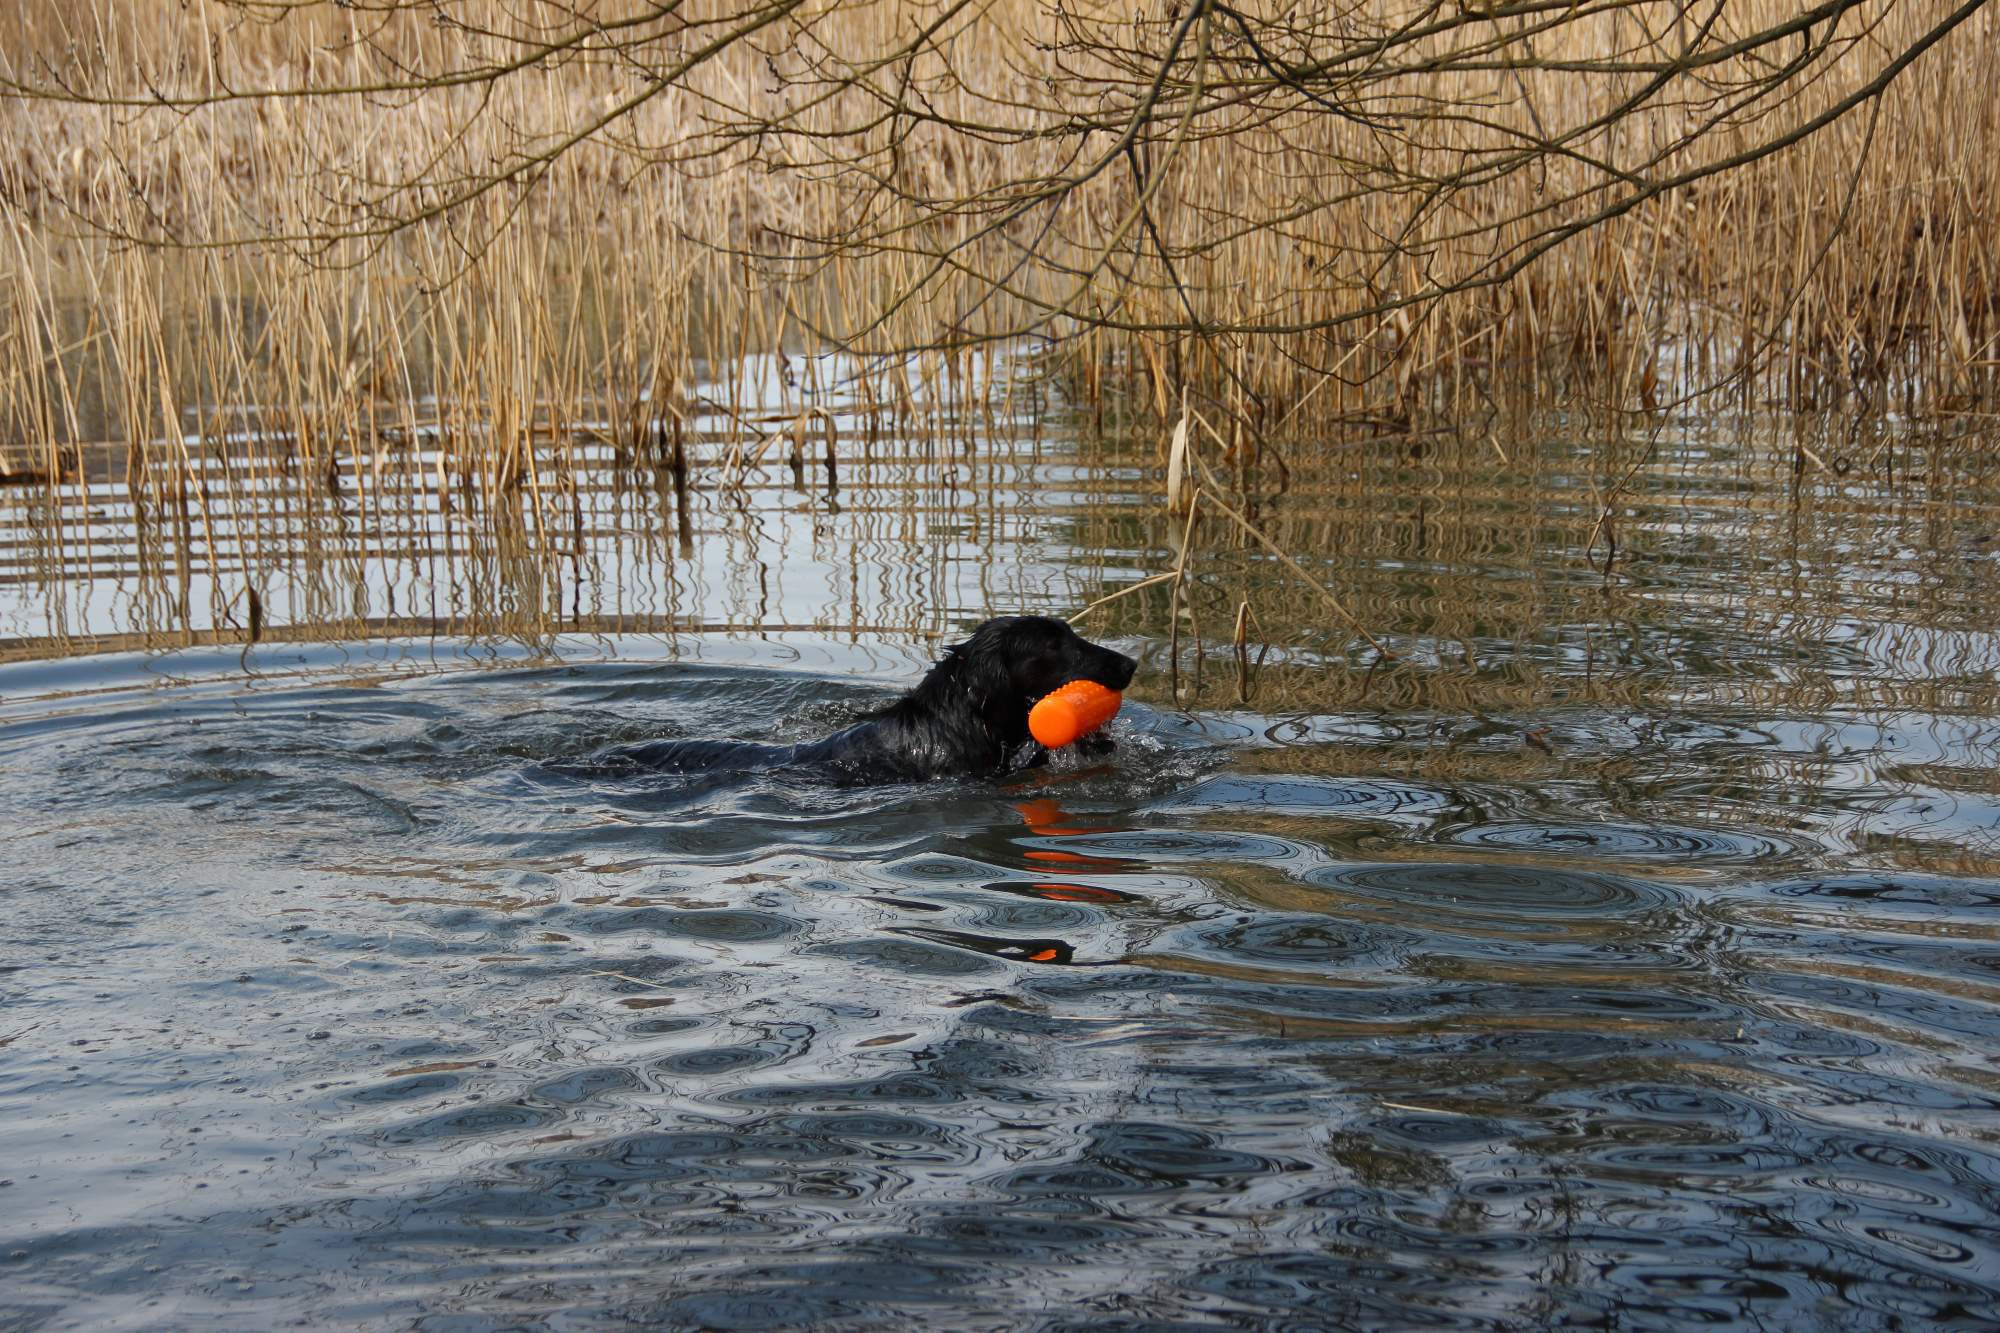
[[968, 718]]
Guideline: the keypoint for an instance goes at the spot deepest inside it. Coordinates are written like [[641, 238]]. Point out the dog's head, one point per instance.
[[1015, 660], [970, 714]]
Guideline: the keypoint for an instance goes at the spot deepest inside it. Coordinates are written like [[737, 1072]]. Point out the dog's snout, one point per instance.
[[1121, 670]]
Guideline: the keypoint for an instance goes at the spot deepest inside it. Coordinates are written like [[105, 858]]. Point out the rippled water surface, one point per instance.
[[1629, 955]]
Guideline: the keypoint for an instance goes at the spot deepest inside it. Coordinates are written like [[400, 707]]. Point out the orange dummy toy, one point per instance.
[[1070, 711]]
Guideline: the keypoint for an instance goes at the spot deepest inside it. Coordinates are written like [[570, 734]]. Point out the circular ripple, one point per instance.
[[483, 1121], [1525, 893], [733, 927], [1157, 845], [1676, 842], [908, 957], [1289, 941], [1356, 797], [1894, 894], [715, 1060]]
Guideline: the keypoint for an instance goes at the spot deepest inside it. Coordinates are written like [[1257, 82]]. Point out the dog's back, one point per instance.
[[860, 753], [691, 757]]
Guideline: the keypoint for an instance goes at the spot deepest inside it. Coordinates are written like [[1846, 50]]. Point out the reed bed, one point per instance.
[[338, 212], [486, 247]]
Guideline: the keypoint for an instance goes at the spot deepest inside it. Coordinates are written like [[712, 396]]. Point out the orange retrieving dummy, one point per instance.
[[1069, 711]]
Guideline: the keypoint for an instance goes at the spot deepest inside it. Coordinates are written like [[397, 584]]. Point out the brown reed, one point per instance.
[[316, 250], [535, 214]]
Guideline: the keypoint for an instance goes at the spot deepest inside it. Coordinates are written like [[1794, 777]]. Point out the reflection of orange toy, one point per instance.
[[1076, 893], [1069, 858], [1070, 711], [1047, 817]]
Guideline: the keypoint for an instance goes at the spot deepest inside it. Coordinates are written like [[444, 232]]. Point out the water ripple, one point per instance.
[[366, 1021], [1500, 895], [1671, 843], [1357, 798]]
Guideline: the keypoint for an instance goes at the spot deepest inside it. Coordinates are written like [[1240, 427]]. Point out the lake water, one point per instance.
[[1625, 952]]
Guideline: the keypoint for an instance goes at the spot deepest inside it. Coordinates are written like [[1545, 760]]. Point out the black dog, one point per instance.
[[968, 718]]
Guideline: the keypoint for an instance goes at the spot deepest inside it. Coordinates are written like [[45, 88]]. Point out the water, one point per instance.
[[1628, 953]]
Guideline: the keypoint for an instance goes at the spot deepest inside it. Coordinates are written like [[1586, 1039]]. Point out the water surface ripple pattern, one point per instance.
[[324, 999]]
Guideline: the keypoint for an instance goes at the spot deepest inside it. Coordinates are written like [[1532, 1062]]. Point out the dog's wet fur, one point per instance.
[[967, 718]]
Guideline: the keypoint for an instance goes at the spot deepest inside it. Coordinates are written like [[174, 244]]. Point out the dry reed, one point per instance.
[[472, 244], [564, 241]]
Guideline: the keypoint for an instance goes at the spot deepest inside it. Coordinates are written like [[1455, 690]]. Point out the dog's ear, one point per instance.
[[986, 667]]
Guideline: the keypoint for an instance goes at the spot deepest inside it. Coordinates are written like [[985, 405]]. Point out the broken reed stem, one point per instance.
[[1151, 580], [1174, 604]]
